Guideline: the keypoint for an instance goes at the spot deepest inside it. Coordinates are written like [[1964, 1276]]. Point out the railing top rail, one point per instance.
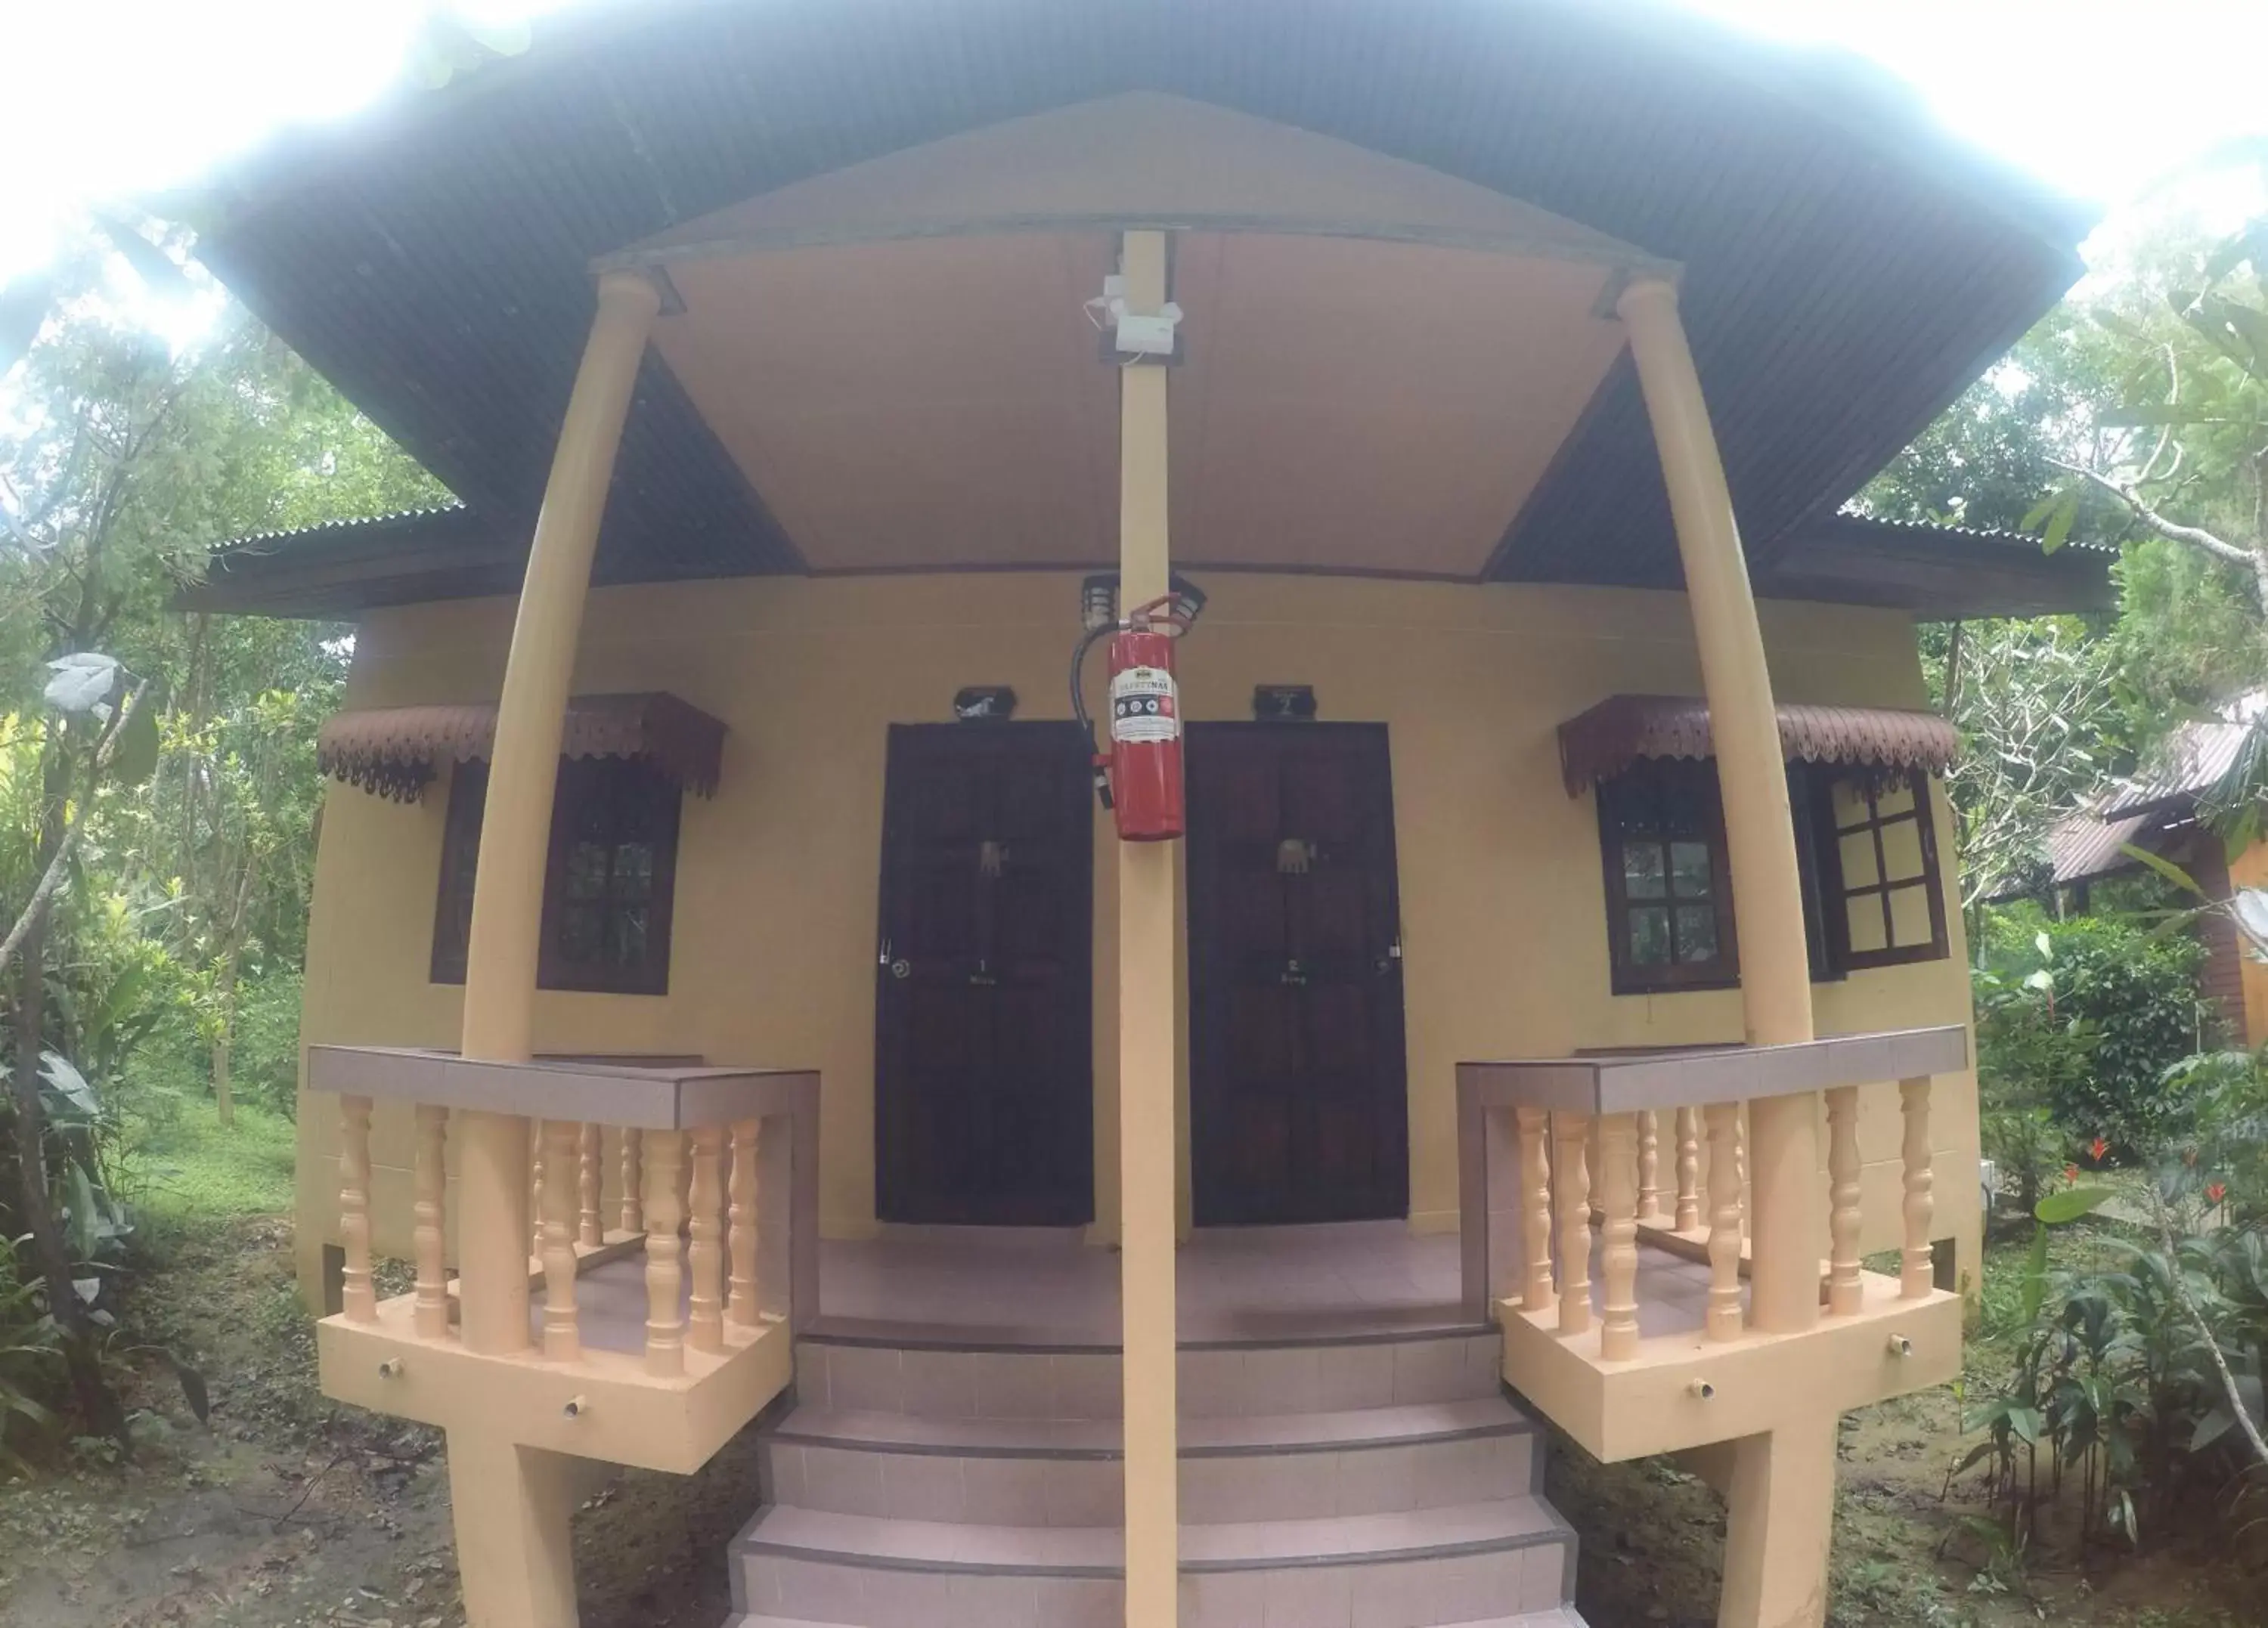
[[644, 1096], [1637, 1081]]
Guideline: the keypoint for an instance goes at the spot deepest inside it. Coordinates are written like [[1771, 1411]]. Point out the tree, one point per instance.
[[122, 461]]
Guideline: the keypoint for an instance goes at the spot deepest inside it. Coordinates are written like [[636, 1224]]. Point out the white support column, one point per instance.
[[493, 1225], [512, 1503], [1782, 1499], [1149, 996], [1784, 1200]]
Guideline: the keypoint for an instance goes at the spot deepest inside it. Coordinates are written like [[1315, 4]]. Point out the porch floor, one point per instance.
[[1000, 1287]]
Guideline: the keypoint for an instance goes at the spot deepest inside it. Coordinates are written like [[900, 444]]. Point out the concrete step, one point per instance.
[[1459, 1563], [1563, 1618], [946, 1380], [1068, 1472]]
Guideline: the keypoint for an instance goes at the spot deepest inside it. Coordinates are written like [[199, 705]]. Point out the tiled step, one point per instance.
[[1563, 1617], [1068, 1472], [951, 1382], [1460, 1564]]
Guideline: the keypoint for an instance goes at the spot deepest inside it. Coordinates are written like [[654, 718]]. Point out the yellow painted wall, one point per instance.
[[773, 960]]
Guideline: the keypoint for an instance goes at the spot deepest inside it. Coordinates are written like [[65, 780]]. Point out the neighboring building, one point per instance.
[[685, 851], [2158, 813]]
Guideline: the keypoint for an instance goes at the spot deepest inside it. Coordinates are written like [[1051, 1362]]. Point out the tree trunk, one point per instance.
[[223, 1045]]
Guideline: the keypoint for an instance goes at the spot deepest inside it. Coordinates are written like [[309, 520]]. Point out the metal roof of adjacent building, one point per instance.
[[2159, 802], [1849, 268]]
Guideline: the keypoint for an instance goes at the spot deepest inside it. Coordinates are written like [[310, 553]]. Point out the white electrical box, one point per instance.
[[1150, 335]]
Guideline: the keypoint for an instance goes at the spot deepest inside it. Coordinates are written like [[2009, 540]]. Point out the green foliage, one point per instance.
[[2112, 1401], [2084, 1018], [172, 957]]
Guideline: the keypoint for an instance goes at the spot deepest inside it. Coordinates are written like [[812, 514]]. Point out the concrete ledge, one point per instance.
[[628, 1416], [638, 1096], [1631, 1410]]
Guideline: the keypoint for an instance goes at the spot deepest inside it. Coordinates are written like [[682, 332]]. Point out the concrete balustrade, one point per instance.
[[665, 1337], [1557, 1167]]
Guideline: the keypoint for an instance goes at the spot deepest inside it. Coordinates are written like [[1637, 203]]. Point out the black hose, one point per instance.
[[1078, 706]]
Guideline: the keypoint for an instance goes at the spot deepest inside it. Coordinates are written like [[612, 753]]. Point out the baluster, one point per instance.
[[1844, 1290], [357, 1298], [433, 1306], [563, 1335], [665, 1275], [1724, 1221], [1572, 1178], [1740, 1160], [535, 1187], [589, 1232], [1919, 1276], [1688, 1218], [1649, 1167], [633, 1180], [1618, 1172], [704, 1256], [740, 1305], [1538, 1292]]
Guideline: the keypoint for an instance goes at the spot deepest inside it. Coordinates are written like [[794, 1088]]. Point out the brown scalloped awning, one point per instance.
[[392, 750], [1603, 742]]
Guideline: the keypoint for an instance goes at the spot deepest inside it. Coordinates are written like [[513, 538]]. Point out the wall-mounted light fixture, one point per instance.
[[985, 703], [1284, 703]]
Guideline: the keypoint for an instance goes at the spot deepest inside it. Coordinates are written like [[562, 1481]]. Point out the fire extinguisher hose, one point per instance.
[[1087, 641]]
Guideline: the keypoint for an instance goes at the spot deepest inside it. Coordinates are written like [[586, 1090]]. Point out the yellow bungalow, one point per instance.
[[727, 993]]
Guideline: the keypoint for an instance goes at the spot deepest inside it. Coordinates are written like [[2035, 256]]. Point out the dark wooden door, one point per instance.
[[984, 1101], [1297, 1089]]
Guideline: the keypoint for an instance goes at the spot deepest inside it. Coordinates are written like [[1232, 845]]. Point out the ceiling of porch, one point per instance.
[[1344, 405], [1379, 361]]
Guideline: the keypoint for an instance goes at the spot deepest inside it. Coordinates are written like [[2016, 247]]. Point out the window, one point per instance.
[[1866, 854], [1669, 911], [608, 884], [1878, 870]]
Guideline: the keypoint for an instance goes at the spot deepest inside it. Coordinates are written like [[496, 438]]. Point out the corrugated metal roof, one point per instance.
[[2085, 846], [2194, 760], [1848, 270], [2144, 808]]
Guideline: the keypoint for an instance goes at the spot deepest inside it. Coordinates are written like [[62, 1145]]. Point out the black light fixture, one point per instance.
[[1098, 601], [1284, 703], [985, 703]]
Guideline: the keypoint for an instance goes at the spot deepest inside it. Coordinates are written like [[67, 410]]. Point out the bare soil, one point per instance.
[[284, 1509]]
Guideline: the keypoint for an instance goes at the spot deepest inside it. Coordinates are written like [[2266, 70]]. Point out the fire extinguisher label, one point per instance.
[[1144, 706]]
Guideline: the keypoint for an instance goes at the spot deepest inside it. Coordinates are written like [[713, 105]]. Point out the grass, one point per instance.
[[185, 1168]]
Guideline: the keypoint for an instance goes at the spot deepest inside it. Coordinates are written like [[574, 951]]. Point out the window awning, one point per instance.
[[1601, 743], [392, 750]]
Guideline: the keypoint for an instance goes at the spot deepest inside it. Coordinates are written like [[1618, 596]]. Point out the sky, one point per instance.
[[123, 98]]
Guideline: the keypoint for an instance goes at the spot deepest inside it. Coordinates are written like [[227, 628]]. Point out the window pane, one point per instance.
[[1697, 932], [582, 930], [1910, 917], [1850, 801], [1902, 850], [1895, 798], [1866, 923], [633, 870], [1688, 869], [1649, 935], [626, 937], [1642, 876], [1859, 867]]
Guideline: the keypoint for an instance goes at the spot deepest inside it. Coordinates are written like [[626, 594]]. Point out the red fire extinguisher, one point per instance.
[[1140, 778]]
